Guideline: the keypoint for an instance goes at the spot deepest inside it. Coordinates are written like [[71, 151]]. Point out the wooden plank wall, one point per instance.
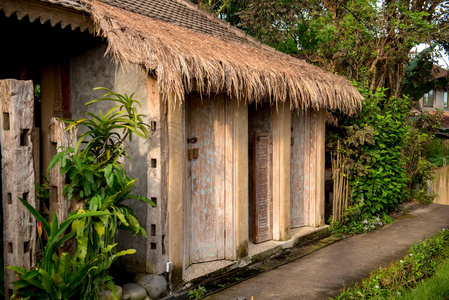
[[307, 168], [19, 228]]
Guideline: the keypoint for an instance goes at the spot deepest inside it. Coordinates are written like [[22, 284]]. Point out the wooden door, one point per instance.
[[206, 144], [262, 185]]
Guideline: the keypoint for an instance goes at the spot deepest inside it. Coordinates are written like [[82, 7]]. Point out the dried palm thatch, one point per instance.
[[185, 61]]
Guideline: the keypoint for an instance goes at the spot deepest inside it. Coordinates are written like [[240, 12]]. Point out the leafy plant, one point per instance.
[[372, 144], [197, 293], [59, 276], [97, 179]]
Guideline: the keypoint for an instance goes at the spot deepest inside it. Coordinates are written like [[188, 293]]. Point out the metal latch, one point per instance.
[[192, 140]]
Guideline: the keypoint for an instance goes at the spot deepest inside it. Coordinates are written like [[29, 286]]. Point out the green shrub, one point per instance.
[[99, 183], [435, 288], [373, 143], [419, 263]]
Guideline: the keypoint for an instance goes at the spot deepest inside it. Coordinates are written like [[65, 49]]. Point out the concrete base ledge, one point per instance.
[[235, 267]]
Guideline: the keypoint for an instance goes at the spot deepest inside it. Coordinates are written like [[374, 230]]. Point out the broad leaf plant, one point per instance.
[[97, 180]]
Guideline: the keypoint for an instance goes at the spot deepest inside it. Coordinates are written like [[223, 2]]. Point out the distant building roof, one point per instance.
[[439, 72]]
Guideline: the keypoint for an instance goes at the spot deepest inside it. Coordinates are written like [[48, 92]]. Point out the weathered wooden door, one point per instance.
[[206, 144], [262, 185]]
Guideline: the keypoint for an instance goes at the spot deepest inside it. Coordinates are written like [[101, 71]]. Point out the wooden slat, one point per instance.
[[263, 198]]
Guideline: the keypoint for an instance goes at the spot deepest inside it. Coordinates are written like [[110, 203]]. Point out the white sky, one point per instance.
[[443, 61]]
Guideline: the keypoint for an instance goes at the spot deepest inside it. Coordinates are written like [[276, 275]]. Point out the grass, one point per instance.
[[401, 278], [435, 287]]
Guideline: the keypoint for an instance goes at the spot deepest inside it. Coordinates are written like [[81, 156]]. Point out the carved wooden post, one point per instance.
[[17, 116], [59, 137], [157, 242]]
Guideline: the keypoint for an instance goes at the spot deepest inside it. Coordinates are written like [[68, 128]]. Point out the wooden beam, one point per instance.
[[240, 128], [176, 143], [320, 165], [281, 171]]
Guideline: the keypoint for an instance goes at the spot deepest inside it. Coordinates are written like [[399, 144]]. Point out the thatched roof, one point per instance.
[[187, 60]]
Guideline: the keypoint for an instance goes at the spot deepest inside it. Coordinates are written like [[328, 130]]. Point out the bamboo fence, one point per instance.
[[340, 170]]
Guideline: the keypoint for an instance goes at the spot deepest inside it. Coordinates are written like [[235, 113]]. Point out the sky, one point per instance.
[[443, 61]]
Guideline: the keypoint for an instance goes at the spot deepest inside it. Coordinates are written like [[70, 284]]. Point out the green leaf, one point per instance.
[[108, 248], [64, 239], [53, 161], [19, 270], [53, 224], [77, 161], [87, 189], [37, 215], [121, 217], [99, 228], [20, 284]]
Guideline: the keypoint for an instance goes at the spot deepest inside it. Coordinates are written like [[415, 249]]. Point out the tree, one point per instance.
[[228, 10], [366, 40]]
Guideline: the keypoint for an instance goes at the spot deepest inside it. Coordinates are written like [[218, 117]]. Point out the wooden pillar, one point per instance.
[[19, 227], [176, 145], [48, 95], [320, 165], [281, 171], [156, 225], [59, 137], [240, 188]]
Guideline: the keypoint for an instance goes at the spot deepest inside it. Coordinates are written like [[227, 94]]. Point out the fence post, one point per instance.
[[17, 121], [59, 137]]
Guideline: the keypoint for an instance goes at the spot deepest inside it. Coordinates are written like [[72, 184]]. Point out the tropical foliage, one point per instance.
[[369, 42], [97, 180], [60, 276]]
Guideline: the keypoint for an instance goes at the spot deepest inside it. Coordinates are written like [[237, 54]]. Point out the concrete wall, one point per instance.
[[440, 185], [92, 69]]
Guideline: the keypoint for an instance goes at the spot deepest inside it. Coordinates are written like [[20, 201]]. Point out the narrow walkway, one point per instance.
[[262, 250], [323, 273]]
